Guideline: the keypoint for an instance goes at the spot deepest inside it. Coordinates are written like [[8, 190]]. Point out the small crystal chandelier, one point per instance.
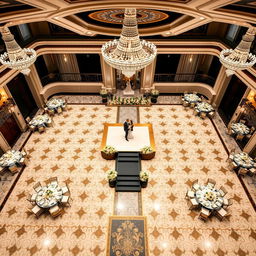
[[240, 58], [129, 54], [16, 57]]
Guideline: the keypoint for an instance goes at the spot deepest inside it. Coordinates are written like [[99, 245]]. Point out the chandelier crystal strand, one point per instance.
[[129, 54], [16, 57], [240, 58]]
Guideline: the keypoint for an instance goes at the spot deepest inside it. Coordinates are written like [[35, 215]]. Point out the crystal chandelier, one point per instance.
[[16, 57], [129, 54], [240, 58]]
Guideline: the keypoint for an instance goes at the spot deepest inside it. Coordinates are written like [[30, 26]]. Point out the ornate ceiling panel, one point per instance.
[[12, 5], [114, 17]]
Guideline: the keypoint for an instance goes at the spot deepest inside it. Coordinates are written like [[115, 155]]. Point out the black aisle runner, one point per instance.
[[128, 167]]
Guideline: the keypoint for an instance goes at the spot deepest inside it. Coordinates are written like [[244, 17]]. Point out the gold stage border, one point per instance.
[[120, 217], [150, 130]]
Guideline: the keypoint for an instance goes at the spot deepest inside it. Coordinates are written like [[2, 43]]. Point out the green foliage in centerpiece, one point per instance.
[[111, 174], [129, 101], [109, 150], [144, 176]]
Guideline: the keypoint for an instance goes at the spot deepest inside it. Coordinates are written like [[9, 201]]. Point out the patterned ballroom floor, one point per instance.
[[189, 148], [70, 151]]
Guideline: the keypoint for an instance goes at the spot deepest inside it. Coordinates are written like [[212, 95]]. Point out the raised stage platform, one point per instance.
[[114, 135]]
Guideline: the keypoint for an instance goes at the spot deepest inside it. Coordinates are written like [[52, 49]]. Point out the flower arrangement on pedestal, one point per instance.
[[111, 175], [129, 101], [154, 95], [147, 153], [144, 179], [104, 95], [108, 153]]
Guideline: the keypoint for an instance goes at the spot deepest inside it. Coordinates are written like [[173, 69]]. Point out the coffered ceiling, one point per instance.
[[162, 17]]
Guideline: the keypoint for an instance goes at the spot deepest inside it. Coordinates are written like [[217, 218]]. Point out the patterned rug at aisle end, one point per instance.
[[127, 235]]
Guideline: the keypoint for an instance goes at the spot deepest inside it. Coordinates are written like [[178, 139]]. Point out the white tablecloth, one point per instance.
[[40, 120], [239, 128], [10, 158], [204, 107], [55, 103], [191, 98], [244, 160]]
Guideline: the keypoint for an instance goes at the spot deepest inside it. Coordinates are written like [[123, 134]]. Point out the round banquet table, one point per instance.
[[240, 128], [204, 107], [191, 98], [10, 158], [209, 198], [53, 104], [40, 120], [49, 196], [244, 160]]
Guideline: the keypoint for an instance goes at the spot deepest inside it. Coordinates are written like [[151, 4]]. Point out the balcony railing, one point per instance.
[[71, 77], [184, 78]]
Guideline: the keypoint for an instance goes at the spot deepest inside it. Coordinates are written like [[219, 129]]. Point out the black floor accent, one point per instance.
[[128, 167]]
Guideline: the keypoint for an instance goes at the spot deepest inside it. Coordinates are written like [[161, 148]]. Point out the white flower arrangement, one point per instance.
[[129, 101], [109, 150], [144, 176], [154, 92], [146, 150], [111, 174], [103, 92]]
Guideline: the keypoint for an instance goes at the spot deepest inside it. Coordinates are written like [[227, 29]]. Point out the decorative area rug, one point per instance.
[[127, 236], [189, 148], [114, 135], [71, 151]]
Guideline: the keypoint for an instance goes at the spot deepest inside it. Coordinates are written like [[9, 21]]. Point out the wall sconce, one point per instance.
[[65, 58]]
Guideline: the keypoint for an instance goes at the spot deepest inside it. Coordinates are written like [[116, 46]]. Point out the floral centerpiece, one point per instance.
[[154, 95], [128, 101], [108, 153], [209, 196], [144, 179], [104, 95], [111, 175], [147, 153]]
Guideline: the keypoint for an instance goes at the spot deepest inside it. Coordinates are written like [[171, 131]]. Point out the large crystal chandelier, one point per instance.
[[240, 58], [129, 54], [16, 57]]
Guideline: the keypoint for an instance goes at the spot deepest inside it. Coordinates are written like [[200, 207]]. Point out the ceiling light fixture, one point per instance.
[[240, 58], [16, 57], [129, 54]]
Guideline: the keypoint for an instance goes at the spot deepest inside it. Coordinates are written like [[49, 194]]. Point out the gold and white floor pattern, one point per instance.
[[189, 148], [70, 151]]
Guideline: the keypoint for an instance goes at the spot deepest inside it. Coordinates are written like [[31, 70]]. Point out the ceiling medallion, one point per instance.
[[129, 54], [16, 57], [240, 58]]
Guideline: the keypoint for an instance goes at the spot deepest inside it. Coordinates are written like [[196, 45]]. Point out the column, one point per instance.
[[147, 77], [35, 85], [108, 76], [249, 147], [220, 86], [3, 143]]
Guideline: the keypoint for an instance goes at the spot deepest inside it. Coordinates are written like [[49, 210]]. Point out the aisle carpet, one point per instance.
[[127, 236], [188, 148], [70, 151]]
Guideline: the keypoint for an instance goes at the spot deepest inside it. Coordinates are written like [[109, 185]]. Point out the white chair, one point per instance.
[[203, 115], [13, 168], [64, 107], [242, 171], [59, 110], [37, 187], [37, 210], [193, 204], [221, 214], [223, 191], [65, 200], [41, 129], [65, 189], [50, 112], [211, 114], [195, 185], [49, 123], [32, 128], [190, 194], [55, 211], [211, 183], [32, 198], [227, 202], [185, 103], [204, 214], [24, 161]]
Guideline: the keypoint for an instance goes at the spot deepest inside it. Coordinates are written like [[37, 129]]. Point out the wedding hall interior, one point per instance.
[[127, 128]]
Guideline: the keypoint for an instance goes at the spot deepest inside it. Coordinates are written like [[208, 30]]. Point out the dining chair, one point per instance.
[[55, 211], [32, 128], [239, 137], [227, 202], [65, 189], [41, 129], [37, 187], [190, 194], [223, 191], [65, 200], [192, 104], [37, 210], [193, 204], [64, 107], [24, 161], [28, 119], [221, 214], [50, 112], [49, 123], [59, 110], [211, 183], [204, 214], [242, 171], [185, 103], [32, 198], [203, 115], [195, 185], [13, 169], [252, 171], [211, 114]]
